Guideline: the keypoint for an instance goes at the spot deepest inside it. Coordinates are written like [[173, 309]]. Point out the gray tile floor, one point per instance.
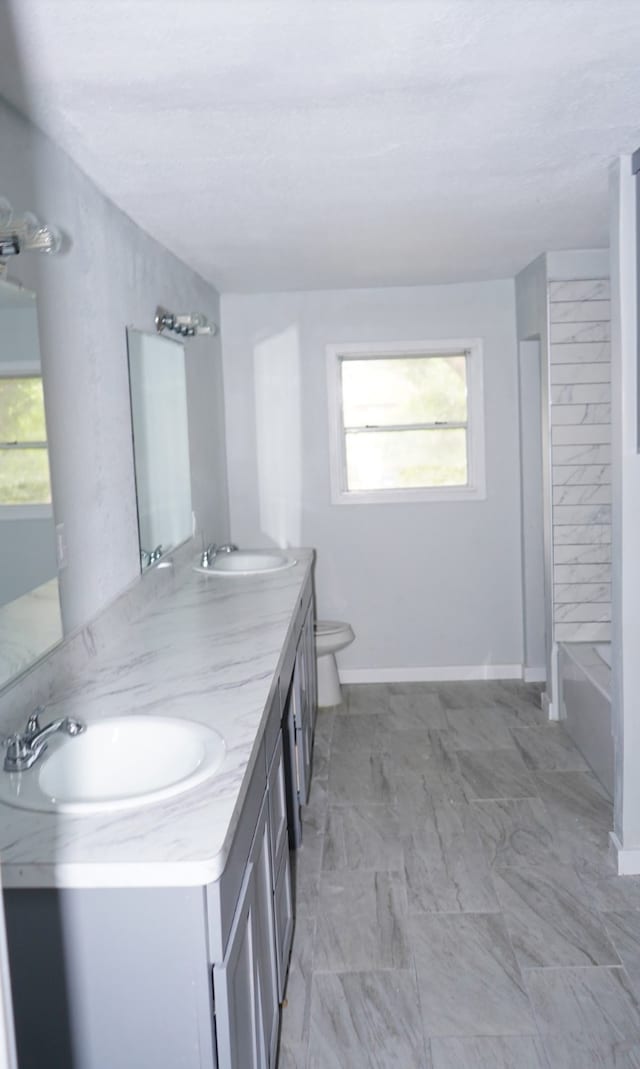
[[457, 906]]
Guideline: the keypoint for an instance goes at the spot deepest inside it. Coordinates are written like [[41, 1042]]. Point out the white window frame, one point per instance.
[[25, 369], [475, 490]]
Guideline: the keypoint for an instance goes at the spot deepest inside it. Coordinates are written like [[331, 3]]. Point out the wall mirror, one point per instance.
[[30, 620], [157, 381]]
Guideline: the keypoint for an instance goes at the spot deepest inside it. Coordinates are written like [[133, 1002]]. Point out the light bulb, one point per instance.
[[30, 226], [53, 238]]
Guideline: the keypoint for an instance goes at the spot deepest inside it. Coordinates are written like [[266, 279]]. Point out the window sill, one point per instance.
[[421, 496], [26, 512]]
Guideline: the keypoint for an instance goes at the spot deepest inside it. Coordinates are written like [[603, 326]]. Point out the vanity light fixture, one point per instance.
[[187, 325], [25, 233]]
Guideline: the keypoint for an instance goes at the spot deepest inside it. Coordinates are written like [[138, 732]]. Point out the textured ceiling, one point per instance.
[[310, 143]]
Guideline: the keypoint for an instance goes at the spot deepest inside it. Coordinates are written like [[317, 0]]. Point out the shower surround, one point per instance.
[[580, 419]]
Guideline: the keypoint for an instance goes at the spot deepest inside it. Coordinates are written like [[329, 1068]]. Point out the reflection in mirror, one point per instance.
[[30, 621], [158, 386]]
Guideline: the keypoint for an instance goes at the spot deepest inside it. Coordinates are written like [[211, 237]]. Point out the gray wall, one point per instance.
[[114, 275], [532, 497], [424, 585]]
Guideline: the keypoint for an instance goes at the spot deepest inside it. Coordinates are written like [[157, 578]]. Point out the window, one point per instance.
[[25, 487], [406, 421]]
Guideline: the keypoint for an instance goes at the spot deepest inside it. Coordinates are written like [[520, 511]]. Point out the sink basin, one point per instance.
[[117, 763], [247, 562]]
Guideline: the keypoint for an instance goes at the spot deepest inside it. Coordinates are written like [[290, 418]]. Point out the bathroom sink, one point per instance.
[[117, 763], [247, 562]]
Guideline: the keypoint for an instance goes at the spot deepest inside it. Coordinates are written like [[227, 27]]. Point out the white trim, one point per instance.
[[26, 512], [551, 708], [20, 369], [628, 861], [476, 488], [446, 674], [535, 675]]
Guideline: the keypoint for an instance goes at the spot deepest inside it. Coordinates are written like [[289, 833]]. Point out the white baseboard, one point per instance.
[[448, 674], [550, 708], [535, 675], [628, 861]]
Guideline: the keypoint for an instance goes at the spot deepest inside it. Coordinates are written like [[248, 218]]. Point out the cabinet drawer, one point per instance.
[[277, 804], [283, 904]]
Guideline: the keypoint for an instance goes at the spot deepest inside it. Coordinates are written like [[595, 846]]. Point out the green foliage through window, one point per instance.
[[405, 422], [24, 461], [415, 389]]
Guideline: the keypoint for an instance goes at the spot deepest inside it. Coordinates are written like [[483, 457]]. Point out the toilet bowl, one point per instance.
[[331, 636]]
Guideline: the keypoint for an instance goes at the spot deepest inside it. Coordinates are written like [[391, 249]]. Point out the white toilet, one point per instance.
[[331, 636]]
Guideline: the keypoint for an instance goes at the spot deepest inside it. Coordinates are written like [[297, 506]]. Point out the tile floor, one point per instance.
[[456, 904]]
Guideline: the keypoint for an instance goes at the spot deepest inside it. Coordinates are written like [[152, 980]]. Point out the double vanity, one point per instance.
[[151, 925]]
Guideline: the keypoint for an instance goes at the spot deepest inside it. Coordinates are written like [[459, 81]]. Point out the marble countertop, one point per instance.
[[208, 650]]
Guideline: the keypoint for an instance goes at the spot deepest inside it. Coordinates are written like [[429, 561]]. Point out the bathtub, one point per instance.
[[584, 675], [603, 649]]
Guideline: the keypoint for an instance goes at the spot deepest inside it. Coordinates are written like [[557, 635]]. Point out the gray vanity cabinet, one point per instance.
[[111, 977], [249, 982], [159, 978], [283, 902], [312, 667], [246, 983], [281, 868], [303, 727], [300, 708], [277, 805], [305, 703], [177, 977]]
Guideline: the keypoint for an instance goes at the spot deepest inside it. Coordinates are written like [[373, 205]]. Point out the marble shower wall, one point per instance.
[[580, 418]]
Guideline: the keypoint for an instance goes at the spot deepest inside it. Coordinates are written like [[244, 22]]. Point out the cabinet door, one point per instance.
[[245, 984], [277, 805], [303, 731], [294, 821], [283, 900], [266, 968], [312, 667], [235, 984]]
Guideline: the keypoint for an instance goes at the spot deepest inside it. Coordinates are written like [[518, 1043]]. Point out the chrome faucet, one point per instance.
[[211, 552], [208, 555], [150, 556], [24, 749]]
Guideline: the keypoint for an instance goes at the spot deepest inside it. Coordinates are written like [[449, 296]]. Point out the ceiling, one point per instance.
[[299, 144]]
